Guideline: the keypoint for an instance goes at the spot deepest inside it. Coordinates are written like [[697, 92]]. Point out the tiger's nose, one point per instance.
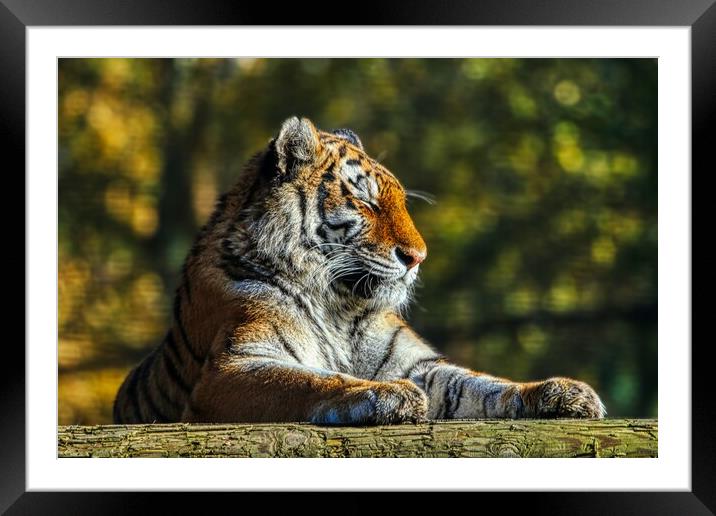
[[410, 257]]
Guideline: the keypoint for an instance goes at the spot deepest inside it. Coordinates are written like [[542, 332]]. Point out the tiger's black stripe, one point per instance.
[[269, 280], [360, 184], [303, 202], [156, 413], [229, 344], [322, 194], [303, 205], [447, 399], [320, 200], [167, 399], [171, 376], [490, 395], [216, 216], [182, 330], [389, 352], [361, 232], [302, 305], [520, 408], [169, 365], [284, 342], [457, 397], [348, 224], [247, 269], [316, 327], [356, 333], [170, 344], [251, 354], [377, 266], [196, 249], [132, 391], [437, 359], [429, 381]]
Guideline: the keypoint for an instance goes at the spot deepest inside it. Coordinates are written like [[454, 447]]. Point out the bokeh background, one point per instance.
[[542, 241]]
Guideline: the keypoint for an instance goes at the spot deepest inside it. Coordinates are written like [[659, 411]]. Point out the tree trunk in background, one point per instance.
[[177, 225], [504, 438]]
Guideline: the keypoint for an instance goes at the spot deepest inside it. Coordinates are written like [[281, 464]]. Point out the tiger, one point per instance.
[[290, 303]]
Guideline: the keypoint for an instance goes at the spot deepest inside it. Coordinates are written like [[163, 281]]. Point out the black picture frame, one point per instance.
[[17, 15]]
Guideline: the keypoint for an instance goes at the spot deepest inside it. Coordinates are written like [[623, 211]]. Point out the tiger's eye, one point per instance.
[[372, 206]]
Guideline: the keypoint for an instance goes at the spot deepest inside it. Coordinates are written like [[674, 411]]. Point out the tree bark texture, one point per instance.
[[457, 438]]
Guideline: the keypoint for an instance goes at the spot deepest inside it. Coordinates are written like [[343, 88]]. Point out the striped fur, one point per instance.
[[290, 302]]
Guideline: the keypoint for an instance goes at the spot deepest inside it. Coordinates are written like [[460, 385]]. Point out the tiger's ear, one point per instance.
[[349, 135], [297, 144]]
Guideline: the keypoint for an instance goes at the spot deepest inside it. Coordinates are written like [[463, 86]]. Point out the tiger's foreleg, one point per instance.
[[260, 389], [455, 392]]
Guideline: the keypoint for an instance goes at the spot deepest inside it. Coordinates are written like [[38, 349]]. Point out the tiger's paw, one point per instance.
[[374, 403], [399, 401], [563, 398]]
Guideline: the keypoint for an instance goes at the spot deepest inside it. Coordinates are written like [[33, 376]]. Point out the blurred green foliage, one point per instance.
[[542, 244]]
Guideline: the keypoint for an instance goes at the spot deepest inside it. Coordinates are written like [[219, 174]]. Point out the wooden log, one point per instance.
[[456, 438]]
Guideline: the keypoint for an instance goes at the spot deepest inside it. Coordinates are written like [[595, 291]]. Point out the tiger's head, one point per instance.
[[339, 216]]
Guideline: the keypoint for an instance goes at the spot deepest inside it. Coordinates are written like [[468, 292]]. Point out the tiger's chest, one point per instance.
[[325, 335], [348, 345]]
